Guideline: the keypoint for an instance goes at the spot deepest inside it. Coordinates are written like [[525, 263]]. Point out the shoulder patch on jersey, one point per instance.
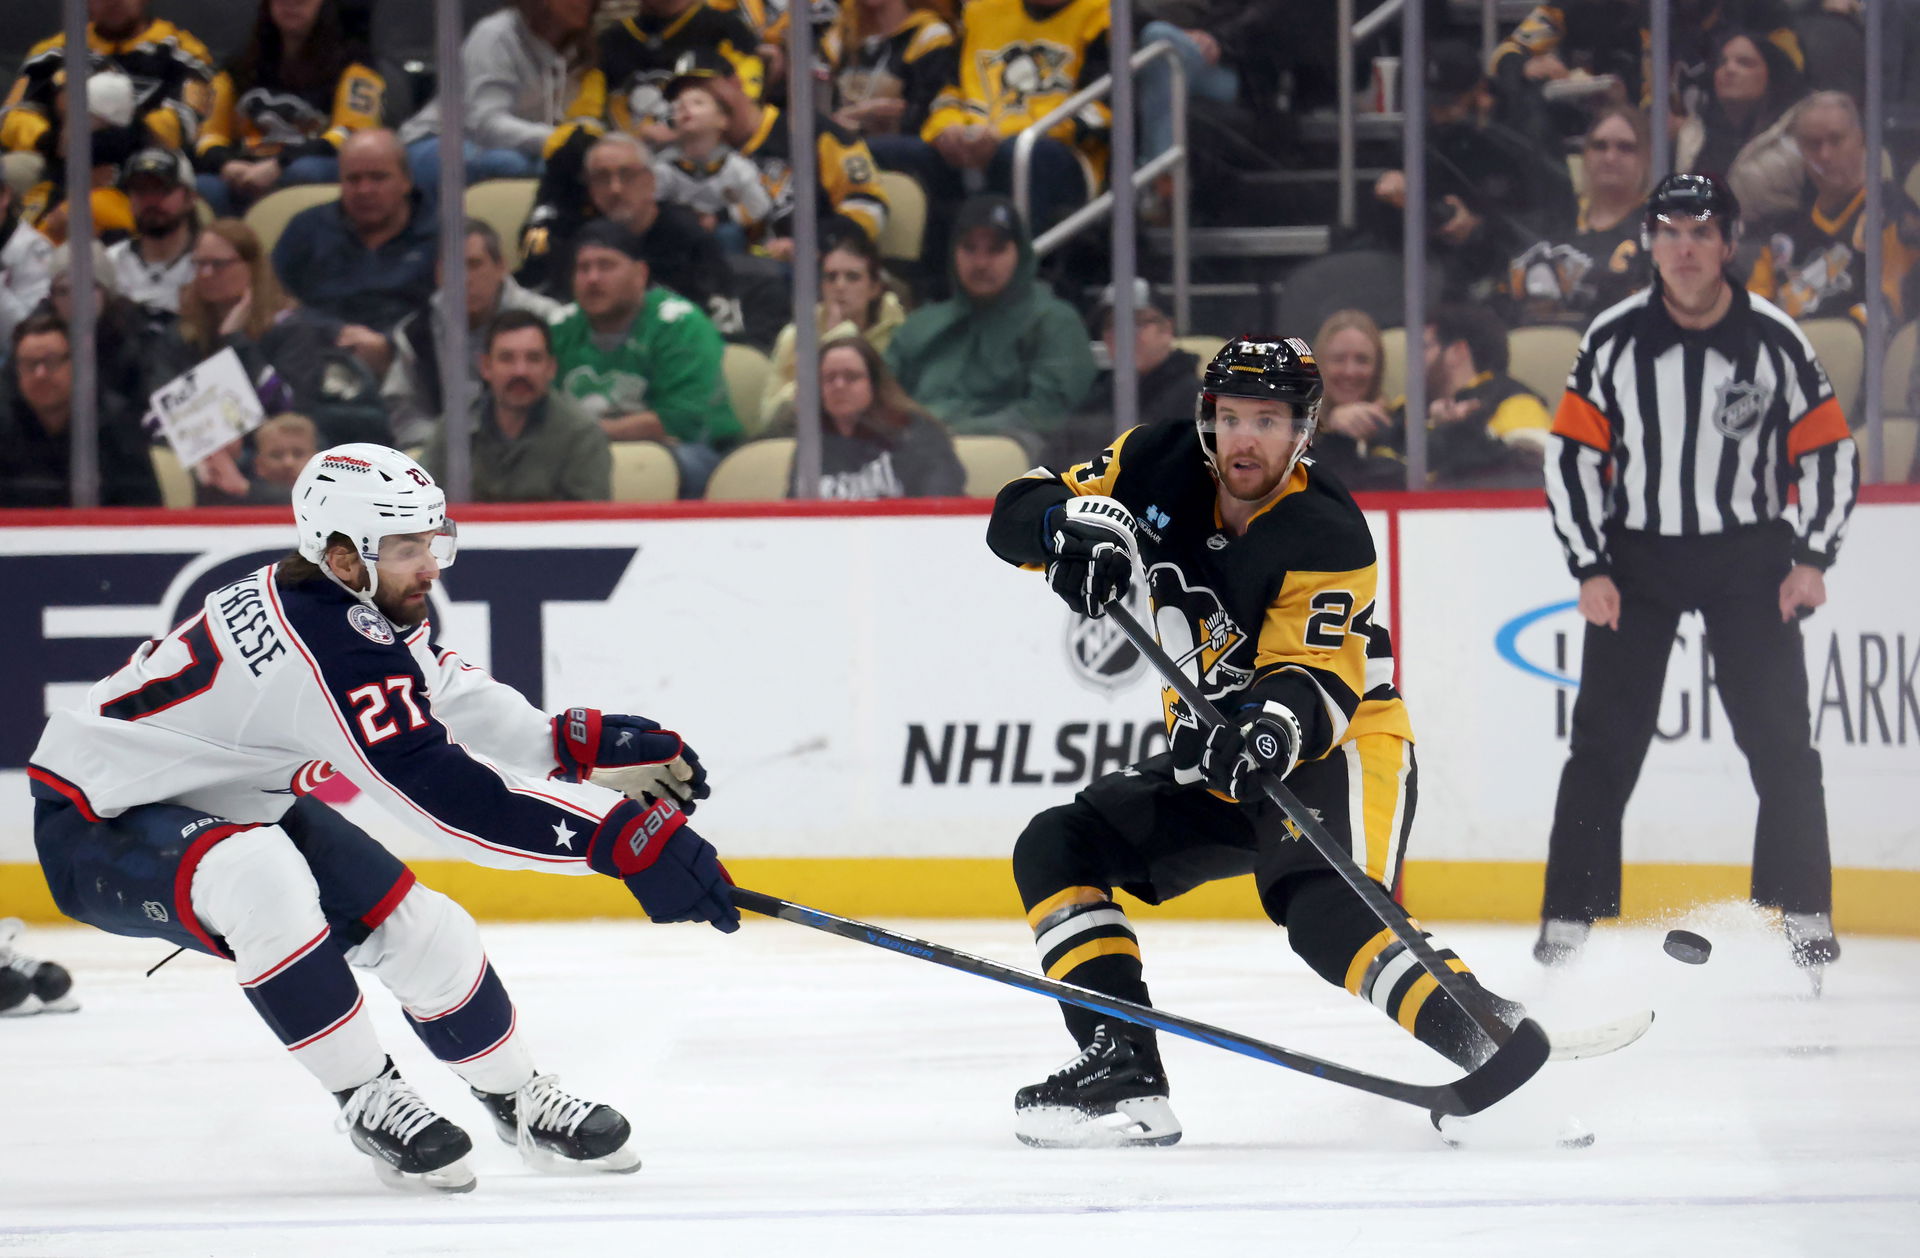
[[370, 624]]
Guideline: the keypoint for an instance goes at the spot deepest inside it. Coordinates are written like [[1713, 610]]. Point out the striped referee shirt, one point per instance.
[[1684, 432]]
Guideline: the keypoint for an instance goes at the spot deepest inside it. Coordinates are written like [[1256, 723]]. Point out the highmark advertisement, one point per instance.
[[868, 689]]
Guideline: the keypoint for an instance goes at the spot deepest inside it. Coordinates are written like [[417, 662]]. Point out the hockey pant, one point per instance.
[[1143, 832], [296, 906]]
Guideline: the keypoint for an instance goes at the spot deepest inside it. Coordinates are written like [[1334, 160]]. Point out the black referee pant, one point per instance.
[[1733, 580]]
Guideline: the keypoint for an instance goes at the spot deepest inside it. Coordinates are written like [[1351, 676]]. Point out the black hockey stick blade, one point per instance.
[[1303, 819], [1517, 1061]]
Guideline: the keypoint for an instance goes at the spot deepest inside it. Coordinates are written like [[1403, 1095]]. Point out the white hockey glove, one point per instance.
[[1092, 541]]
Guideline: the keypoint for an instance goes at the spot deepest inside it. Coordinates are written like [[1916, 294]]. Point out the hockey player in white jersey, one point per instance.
[[169, 805]]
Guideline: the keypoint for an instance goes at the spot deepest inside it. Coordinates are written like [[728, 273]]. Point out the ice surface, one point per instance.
[[797, 1092]]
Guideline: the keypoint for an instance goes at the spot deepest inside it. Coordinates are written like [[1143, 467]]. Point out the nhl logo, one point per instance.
[[370, 624], [1738, 406], [155, 910], [1101, 657]]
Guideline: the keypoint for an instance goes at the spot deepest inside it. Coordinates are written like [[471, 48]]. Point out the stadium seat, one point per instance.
[[644, 471], [503, 204], [271, 213], [1201, 347], [176, 482], [1841, 350], [746, 370], [990, 462], [906, 217], [756, 472], [1541, 359], [1896, 381], [1902, 436]]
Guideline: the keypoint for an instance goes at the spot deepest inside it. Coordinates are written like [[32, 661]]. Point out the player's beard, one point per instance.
[[396, 605]]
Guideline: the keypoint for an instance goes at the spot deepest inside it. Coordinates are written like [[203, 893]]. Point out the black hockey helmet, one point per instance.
[[1698, 197], [1277, 371]]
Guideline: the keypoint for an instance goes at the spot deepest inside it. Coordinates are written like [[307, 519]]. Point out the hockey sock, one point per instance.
[[1084, 938], [428, 953], [1336, 934], [477, 1037], [255, 891]]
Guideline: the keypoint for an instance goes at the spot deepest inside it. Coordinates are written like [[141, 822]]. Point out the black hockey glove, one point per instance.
[[673, 872], [1260, 737], [1092, 541]]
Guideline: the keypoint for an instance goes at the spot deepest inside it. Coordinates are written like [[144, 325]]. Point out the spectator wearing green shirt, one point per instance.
[[644, 362], [530, 444]]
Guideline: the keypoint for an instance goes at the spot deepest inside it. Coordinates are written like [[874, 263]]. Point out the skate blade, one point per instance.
[[33, 1004], [1145, 1122], [624, 1160], [455, 1176]]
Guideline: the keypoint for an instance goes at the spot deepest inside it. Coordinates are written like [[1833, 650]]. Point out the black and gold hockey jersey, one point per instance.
[[172, 77], [1569, 278], [914, 64], [1285, 612], [269, 120], [639, 55], [849, 179], [1018, 63], [1816, 266]]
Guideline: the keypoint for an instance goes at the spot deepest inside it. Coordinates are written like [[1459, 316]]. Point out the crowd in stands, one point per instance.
[[653, 246]]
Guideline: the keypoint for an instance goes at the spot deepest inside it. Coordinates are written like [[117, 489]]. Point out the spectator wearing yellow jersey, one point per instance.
[[283, 107]]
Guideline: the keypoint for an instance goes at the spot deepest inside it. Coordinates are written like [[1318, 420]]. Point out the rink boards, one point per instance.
[[883, 704]]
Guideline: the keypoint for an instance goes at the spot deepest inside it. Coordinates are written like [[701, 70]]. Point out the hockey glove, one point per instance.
[[673, 872], [629, 754], [1266, 736], [1092, 541]]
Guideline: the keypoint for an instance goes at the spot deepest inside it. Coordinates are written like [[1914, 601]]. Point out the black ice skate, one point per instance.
[[1112, 1094], [555, 1131], [29, 985], [1810, 935], [411, 1146], [1560, 941]]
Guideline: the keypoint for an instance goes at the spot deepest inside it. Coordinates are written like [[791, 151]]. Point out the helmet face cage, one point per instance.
[[1269, 371], [368, 493]]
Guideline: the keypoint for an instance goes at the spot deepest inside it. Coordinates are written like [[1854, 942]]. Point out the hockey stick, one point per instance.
[[1517, 1061], [1389, 913]]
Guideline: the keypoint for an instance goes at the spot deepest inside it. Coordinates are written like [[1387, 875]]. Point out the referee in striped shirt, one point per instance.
[[1692, 408]]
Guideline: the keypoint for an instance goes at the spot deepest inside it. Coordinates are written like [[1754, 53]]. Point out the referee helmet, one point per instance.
[[1697, 197]]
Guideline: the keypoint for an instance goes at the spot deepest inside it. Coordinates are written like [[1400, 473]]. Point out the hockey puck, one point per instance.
[[1684, 945]]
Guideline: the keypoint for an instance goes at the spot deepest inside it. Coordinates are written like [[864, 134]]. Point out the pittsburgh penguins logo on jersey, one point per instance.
[[1198, 632], [1027, 68], [281, 117]]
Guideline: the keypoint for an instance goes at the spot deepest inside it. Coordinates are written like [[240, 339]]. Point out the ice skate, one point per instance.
[[29, 985], [411, 1146], [1814, 947], [1560, 941], [554, 1130], [1112, 1094]]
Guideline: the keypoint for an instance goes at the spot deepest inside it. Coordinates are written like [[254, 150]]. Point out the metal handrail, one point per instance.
[[1174, 159], [1351, 34]]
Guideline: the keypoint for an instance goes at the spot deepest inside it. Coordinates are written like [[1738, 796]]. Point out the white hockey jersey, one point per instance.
[[251, 702]]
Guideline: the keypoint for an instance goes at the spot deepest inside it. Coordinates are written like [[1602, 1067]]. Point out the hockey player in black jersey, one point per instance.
[[1262, 578]]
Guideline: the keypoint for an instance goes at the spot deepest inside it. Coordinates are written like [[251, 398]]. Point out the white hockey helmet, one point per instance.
[[368, 492]]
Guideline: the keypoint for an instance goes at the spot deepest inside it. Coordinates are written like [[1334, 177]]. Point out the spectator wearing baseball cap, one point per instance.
[[154, 265], [1003, 354], [1167, 377], [642, 360]]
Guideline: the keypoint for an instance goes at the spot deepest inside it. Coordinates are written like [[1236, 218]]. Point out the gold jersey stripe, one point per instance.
[[1061, 899], [1122, 945]]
